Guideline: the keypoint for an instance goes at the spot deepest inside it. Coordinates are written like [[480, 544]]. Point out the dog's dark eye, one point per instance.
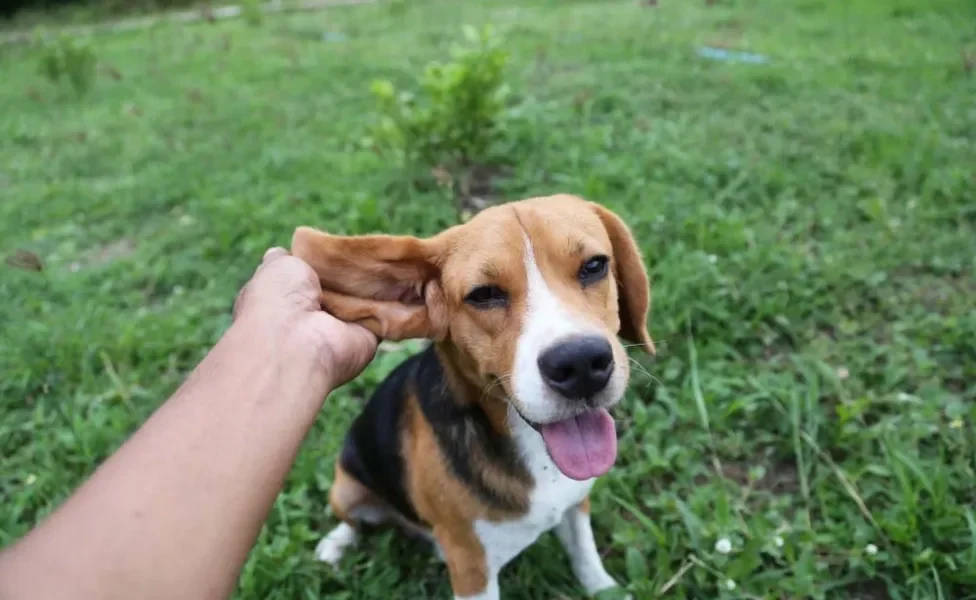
[[593, 270], [487, 296]]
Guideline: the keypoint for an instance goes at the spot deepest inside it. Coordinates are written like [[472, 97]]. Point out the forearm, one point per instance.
[[174, 512]]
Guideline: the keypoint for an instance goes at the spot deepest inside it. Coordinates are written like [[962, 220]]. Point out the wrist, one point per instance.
[[289, 352]]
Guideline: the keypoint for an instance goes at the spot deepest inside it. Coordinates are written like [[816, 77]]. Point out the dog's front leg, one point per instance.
[[576, 535], [472, 577]]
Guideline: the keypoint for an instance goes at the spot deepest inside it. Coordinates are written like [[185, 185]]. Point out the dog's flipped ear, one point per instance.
[[388, 284], [633, 288]]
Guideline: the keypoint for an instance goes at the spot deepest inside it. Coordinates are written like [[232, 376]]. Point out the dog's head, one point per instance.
[[530, 298]]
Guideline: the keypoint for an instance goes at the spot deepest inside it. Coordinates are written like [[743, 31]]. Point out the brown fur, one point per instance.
[[585, 506], [405, 287], [634, 292], [347, 494]]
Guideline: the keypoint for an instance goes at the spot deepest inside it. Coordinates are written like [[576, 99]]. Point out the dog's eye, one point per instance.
[[593, 270], [487, 296]]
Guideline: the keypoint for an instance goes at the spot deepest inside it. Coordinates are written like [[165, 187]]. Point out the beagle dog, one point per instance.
[[495, 433]]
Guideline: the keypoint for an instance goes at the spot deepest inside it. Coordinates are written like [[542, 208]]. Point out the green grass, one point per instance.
[[808, 225]]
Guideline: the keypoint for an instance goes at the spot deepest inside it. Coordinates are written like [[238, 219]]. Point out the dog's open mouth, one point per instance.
[[584, 446]]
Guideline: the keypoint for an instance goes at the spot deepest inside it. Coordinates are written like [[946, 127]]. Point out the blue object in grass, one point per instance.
[[730, 56]]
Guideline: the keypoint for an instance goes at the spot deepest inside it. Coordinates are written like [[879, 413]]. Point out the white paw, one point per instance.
[[333, 547], [328, 551]]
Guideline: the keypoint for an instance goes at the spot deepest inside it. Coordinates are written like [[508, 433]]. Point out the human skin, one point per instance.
[[175, 510]]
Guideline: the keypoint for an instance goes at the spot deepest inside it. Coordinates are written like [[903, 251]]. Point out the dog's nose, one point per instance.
[[577, 368]]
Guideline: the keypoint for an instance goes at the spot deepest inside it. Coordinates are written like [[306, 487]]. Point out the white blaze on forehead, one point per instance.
[[546, 321]]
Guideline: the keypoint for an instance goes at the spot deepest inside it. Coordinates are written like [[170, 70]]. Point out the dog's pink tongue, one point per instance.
[[584, 446]]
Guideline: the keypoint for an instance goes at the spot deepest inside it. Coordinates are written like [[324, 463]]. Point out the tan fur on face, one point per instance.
[[405, 287]]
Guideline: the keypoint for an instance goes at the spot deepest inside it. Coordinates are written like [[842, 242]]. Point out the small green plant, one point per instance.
[[397, 7], [455, 118], [69, 59], [253, 12]]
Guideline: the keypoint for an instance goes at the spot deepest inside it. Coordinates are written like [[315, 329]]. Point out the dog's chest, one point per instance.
[[552, 496]]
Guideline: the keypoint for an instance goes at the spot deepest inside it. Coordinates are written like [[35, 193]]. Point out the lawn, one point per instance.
[[808, 222]]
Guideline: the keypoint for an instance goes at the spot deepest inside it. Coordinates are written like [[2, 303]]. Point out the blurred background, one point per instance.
[[800, 174]]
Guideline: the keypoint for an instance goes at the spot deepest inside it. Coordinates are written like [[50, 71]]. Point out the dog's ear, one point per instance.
[[633, 288], [388, 284]]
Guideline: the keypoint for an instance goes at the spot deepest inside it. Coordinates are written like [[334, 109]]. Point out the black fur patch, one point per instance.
[[463, 432], [371, 452]]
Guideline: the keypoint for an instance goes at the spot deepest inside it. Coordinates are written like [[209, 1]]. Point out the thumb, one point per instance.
[[272, 254]]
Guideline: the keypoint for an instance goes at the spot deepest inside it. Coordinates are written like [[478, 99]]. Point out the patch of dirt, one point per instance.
[[24, 260], [106, 253], [781, 477], [474, 188], [478, 187]]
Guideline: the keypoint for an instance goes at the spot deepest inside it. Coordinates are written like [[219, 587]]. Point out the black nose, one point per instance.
[[577, 368]]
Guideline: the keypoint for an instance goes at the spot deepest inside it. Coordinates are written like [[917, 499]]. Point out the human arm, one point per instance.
[[174, 512]]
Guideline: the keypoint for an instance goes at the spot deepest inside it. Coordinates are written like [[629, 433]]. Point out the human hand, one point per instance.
[[282, 299]]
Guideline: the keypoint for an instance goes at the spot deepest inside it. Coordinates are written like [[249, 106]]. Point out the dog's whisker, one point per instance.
[[658, 342], [495, 383], [643, 370]]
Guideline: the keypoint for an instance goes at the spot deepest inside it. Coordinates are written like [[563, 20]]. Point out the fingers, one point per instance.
[[273, 253], [270, 255]]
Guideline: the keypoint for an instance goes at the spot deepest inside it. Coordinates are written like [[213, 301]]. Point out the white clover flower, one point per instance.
[[723, 545], [712, 258], [871, 549], [729, 585], [778, 541]]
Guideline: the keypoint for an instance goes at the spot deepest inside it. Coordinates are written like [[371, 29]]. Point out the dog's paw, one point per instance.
[[333, 547], [328, 551]]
